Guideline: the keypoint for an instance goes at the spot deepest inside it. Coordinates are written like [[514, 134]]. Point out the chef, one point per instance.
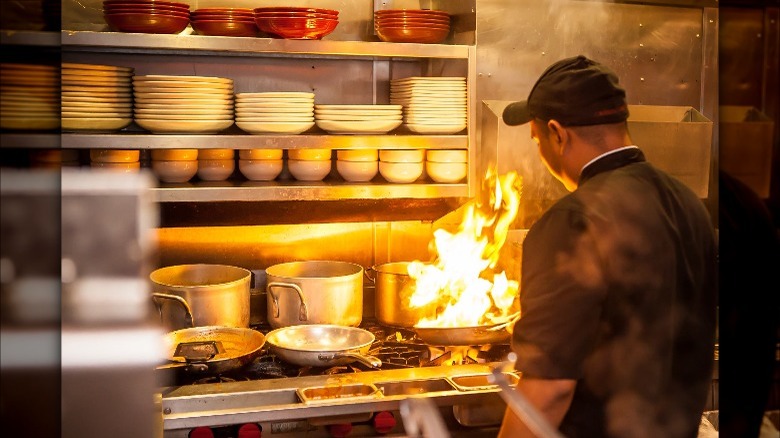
[[619, 276]]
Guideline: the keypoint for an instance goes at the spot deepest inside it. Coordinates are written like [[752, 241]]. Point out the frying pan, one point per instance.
[[212, 349], [462, 336], [320, 345]]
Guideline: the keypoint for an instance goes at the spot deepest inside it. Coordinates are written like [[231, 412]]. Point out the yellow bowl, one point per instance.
[[260, 170], [400, 172], [175, 154], [446, 172], [175, 171], [447, 155], [260, 154], [309, 154], [402, 155], [216, 154], [357, 171], [309, 170], [358, 155], [216, 170], [114, 155]]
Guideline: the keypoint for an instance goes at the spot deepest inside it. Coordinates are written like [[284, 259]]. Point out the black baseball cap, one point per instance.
[[574, 91]]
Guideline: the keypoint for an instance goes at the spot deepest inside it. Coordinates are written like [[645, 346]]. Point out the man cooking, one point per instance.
[[618, 277]]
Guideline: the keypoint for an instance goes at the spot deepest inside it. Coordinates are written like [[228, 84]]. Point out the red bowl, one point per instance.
[[294, 15], [148, 11], [297, 28], [145, 7], [146, 2], [225, 28], [222, 18], [233, 11], [412, 34], [423, 12], [147, 23], [410, 22], [331, 12]]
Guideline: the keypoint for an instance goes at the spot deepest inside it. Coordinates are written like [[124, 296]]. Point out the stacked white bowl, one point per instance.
[[401, 165], [275, 112], [260, 164], [183, 104], [175, 165], [446, 165], [357, 165], [432, 105], [119, 160], [358, 119], [309, 164], [96, 97], [29, 96], [216, 164]]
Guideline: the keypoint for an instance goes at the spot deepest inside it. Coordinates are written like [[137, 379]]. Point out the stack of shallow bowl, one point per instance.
[[183, 104], [296, 22], [309, 164], [175, 165], [119, 160], [401, 165], [446, 165], [357, 165], [216, 164], [260, 164], [239, 22], [412, 25], [358, 119], [432, 105], [96, 97], [29, 96], [150, 16], [277, 112]]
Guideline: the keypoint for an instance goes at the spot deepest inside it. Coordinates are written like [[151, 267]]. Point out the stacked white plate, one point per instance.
[[358, 119], [432, 105], [166, 104], [29, 96], [96, 97], [275, 112]]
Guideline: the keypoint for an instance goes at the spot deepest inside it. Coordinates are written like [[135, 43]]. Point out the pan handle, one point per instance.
[[179, 300], [367, 271], [370, 361], [303, 314]]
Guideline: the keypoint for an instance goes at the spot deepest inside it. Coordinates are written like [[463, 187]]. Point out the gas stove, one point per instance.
[[285, 400]]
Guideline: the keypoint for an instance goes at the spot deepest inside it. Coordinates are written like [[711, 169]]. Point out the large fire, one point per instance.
[[462, 285]]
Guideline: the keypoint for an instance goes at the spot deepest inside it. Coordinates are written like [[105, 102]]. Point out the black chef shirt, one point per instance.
[[618, 292]]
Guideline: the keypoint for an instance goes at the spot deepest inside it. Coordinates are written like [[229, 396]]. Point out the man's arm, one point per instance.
[[550, 397]]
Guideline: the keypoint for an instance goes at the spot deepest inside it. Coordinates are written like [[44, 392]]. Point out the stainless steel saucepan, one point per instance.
[[321, 345]]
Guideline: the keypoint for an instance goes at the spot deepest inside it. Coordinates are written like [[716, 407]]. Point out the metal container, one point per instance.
[[315, 292], [214, 295], [393, 289]]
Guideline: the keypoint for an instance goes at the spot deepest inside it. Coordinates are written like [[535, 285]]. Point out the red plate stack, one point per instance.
[[297, 22], [146, 16], [224, 22], [412, 25]]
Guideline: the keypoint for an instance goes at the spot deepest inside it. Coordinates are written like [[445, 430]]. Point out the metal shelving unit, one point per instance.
[[248, 191]]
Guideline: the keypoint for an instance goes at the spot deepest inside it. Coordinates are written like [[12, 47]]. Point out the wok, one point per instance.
[[320, 345], [212, 349], [478, 335]]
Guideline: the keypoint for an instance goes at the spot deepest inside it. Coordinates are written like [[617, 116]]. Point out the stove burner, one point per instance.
[[220, 378]]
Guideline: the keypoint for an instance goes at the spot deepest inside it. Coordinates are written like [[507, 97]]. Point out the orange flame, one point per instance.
[[462, 283]]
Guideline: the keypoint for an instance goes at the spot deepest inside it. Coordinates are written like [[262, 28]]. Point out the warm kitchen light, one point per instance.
[[462, 284]]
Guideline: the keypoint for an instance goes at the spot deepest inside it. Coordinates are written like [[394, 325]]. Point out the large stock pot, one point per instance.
[[209, 295], [394, 286], [315, 292]]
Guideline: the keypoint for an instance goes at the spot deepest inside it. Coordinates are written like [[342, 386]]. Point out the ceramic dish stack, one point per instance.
[[412, 25], [216, 164], [358, 119], [309, 164], [401, 165], [447, 165], [239, 22], [166, 104], [432, 105], [276, 112], [296, 22], [260, 164], [29, 96], [97, 98], [357, 165], [117, 160], [175, 165], [146, 16]]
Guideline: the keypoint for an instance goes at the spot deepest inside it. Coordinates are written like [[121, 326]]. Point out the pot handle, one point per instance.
[[303, 314], [370, 361], [178, 299], [366, 272]]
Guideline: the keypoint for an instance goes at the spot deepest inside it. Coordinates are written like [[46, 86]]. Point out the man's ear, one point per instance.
[[559, 132]]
